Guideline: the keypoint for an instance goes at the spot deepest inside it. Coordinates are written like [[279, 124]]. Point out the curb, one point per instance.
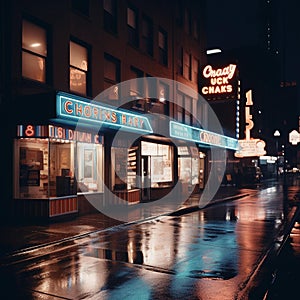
[[256, 287], [185, 210]]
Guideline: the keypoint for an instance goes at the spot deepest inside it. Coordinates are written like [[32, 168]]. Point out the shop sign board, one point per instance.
[[294, 137], [194, 134], [252, 147], [249, 146], [83, 110], [220, 83]]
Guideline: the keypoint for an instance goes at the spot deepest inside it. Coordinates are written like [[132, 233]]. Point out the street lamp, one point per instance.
[[213, 51], [276, 135]]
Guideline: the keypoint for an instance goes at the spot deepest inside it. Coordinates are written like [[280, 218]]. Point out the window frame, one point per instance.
[[86, 72], [147, 40], [133, 32], [45, 57], [110, 19], [163, 51]]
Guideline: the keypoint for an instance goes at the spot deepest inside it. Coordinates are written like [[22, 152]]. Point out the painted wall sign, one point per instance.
[[71, 108], [220, 83], [189, 133], [249, 146]]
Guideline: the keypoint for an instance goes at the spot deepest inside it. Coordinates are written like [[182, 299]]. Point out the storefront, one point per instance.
[[195, 162], [191, 168], [58, 165], [53, 166]]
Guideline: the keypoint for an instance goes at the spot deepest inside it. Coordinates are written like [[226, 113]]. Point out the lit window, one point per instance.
[[34, 51], [78, 68]]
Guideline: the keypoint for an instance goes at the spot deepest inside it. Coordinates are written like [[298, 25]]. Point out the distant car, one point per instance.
[[252, 174]]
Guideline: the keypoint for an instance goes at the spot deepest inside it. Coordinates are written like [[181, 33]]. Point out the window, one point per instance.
[[147, 36], [132, 25], [163, 47], [179, 107], [136, 86], [78, 68], [110, 16], [45, 169], [111, 75], [180, 61], [159, 164], [187, 66], [187, 110], [185, 105], [195, 29], [187, 21], [195, 69], [82, 6], [90, 167], [34, 51]]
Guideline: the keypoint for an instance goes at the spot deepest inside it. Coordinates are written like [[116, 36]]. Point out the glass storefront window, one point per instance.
[[61, 168], [31, 168], [46, 168], [90, 167], [161, 162], [124, 168], [188, 169]]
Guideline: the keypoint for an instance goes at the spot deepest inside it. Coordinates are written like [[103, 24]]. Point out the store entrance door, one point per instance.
[[146, 180]]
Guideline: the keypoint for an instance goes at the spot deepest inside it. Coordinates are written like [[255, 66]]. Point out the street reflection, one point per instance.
[[193, 256]]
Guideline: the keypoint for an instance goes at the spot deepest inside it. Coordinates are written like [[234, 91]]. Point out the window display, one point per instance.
[[61, 168], [32, 169], [161, 157], [124, 162], [188, 165], [58, 166], [90, 167]]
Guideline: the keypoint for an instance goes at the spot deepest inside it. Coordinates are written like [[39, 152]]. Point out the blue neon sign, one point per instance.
[[194, 134], [75, 109]]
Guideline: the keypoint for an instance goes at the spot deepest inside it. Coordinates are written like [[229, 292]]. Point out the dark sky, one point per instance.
[[234, 23]]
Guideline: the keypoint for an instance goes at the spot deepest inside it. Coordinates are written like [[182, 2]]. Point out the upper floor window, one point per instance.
[[195, 29], [112, 76], [187, 66], [147, 35], [132, 25], [110, 16], [78, 68], [34, 51], [163, 47], [180, 61], [187, 21], [82, 6], [195, 70]]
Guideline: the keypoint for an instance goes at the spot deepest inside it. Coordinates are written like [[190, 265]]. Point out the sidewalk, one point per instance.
[[18, 237]]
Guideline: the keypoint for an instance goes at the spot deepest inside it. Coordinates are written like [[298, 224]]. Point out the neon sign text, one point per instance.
[[75, 109], [219, 80]]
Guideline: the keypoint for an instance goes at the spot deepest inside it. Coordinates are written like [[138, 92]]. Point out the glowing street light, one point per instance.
[[213, 51], [277, 135]]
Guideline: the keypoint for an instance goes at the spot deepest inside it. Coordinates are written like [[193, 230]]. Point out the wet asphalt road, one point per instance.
[[206, 254]]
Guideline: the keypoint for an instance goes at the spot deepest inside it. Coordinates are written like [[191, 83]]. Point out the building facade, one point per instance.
[[74, 74]]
